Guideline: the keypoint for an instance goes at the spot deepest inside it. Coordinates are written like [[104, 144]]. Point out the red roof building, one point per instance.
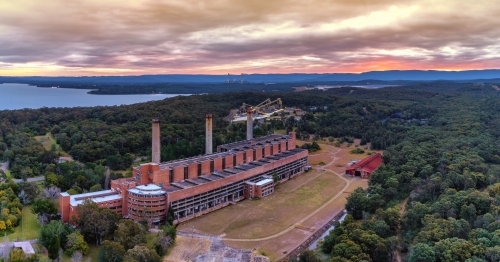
[[365, 167]]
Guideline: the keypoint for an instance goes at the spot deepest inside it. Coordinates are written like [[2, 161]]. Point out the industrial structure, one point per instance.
[[261, 111], [190, 187], [365, 167]]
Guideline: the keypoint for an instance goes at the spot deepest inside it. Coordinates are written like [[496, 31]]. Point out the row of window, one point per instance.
[[147, 196]]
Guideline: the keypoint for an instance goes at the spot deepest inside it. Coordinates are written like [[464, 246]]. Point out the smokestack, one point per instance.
[[208, 134], [249, 124], [155, 158]]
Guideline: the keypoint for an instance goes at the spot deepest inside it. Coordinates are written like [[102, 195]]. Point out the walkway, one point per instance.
[[31, 179], [4, 166]]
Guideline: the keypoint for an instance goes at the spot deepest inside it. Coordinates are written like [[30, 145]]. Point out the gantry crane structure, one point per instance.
[[260, 108]]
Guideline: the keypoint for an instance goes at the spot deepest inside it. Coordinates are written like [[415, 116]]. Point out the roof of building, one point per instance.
[[150, 189], [232, 148], [25, 246], [219, 174], [368, 164], [263, 182], [253, 142], [97, 197]]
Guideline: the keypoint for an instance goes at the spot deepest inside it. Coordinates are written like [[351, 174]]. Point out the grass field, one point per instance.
[[28, 228], [291, 201]]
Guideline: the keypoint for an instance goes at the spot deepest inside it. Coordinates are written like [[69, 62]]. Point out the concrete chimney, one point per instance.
[[208, 134], [249, 124], [155, 158]]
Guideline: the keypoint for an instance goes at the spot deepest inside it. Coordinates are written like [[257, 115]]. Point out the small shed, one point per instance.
[[365, 167]]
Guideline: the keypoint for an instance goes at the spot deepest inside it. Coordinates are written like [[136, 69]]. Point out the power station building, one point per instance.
[[194, 186]]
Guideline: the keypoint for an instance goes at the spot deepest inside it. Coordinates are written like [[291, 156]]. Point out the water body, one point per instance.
[[322, 87], [314, 244], [19, 96]]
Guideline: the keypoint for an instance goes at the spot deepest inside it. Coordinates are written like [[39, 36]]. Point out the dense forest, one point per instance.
[[435, 198]]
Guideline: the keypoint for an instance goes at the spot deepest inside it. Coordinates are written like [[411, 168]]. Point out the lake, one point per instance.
[[19, 96]]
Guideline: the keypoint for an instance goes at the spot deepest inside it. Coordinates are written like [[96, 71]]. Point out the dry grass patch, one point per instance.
[[47, 141], [187, 248], [292, 201]]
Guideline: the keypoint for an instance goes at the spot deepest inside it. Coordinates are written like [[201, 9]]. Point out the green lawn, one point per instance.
[[8, 174], [28, 227]]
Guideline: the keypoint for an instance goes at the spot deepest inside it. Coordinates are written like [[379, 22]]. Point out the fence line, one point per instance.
[[317, 234]]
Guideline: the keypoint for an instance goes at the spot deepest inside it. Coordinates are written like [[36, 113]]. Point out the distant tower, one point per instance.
[[249, 123], [208, 134], [228, 78], [155, 157]]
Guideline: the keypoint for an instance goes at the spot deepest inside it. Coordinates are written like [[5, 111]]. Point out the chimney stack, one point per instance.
[[155, 158], [249, 124], [208, 134]]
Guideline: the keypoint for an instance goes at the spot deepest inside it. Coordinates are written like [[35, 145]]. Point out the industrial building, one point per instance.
[[190, 187], [365, 167]]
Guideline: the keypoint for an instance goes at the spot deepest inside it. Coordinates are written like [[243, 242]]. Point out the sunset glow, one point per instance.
[[53, 38]]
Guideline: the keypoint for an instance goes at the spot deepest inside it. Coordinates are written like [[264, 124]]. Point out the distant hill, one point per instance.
[[393, 75]]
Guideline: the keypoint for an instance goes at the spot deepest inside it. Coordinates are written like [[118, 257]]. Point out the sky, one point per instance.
[[121, 37]]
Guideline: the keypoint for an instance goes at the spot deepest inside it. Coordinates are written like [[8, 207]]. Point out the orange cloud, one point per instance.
[[283, 36]]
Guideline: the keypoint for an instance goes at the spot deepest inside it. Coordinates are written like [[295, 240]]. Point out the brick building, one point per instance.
[[365, 167], [259, 189], [194, 186]]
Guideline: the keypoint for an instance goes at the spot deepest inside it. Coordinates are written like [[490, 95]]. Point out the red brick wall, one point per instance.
[[64, 208], [249, 155], [291, 141], [276, 148], [267, 150], [205, 167], [229, 161], [144, 174], [218, 164], [239, 158], [161, 176], [282, 146], [178, 173], [193, 170], [258, 153]]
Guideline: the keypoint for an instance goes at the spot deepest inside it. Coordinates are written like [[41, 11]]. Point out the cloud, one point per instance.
[[61, 37]]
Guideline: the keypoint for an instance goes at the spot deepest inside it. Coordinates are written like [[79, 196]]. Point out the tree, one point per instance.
[[95, 222], [141, 254], [357, 203], [129, 233], [75, 243], [17, 255], [308, 256], [422, 253], [30, 191], [54, 228], [53, 247], [45, 209], [95, 188], [111, 251]]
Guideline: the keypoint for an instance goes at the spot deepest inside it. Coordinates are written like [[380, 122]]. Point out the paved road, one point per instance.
[[31, 179], [5, 166]]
